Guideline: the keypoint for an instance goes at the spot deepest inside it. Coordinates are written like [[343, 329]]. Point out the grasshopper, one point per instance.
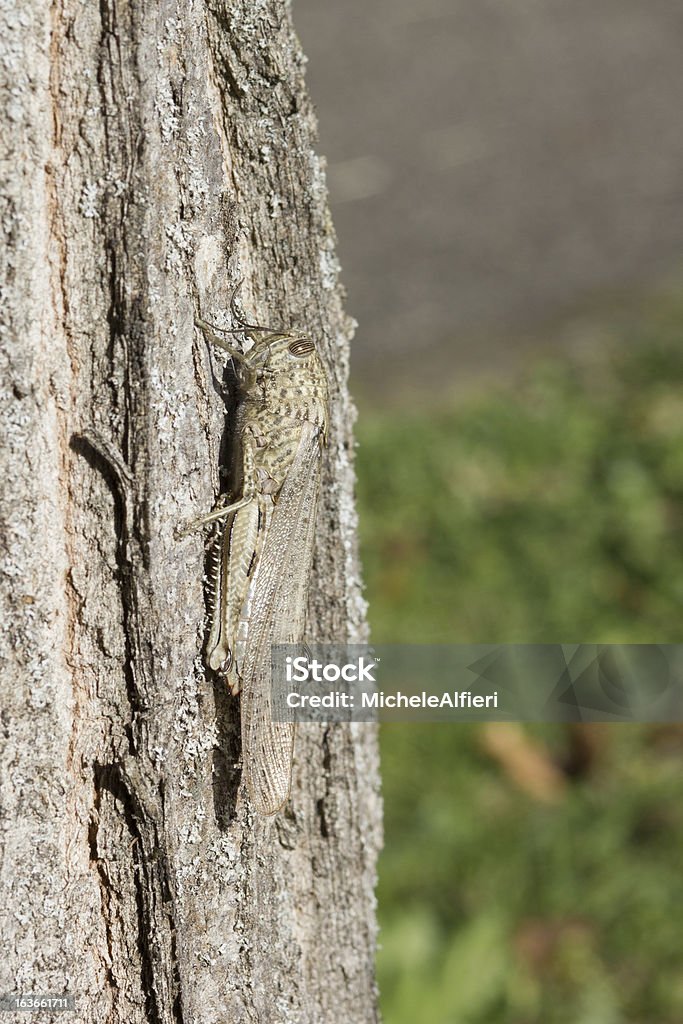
[[263, 557]]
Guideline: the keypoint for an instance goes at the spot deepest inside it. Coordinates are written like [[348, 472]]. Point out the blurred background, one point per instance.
[[506, 181]]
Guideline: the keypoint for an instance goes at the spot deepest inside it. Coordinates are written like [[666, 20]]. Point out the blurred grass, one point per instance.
[[548, 512]]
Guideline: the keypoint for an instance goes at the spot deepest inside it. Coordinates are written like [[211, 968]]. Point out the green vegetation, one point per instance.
[[547, 513]]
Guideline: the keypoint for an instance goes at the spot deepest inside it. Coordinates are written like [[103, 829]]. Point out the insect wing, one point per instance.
[[278, 614]]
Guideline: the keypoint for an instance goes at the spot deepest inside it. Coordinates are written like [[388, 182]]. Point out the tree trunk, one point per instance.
[[158, 152]]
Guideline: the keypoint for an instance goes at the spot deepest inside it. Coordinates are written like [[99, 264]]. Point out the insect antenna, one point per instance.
[[237, 315]]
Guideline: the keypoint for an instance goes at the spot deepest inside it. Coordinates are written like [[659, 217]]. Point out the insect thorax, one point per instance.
[[292, 391]]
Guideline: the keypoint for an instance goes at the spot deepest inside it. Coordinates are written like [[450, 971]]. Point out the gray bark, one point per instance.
[[155, 153]]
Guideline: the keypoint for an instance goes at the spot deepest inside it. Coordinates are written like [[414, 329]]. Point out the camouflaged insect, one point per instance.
[[263, 558]]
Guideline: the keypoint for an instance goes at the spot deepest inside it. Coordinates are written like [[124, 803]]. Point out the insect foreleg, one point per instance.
[[215, 339]]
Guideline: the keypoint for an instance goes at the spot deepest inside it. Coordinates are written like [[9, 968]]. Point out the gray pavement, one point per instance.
[[494, 164]]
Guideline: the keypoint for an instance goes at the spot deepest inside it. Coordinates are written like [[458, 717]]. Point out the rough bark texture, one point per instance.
[[156, 152]]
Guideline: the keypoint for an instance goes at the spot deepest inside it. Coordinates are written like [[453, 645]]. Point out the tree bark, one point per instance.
[[156, 153]]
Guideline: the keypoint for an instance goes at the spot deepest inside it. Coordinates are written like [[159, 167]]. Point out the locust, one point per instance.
[[263, 553]]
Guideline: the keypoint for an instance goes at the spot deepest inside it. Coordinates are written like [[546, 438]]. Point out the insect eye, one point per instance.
[[301, 347]]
